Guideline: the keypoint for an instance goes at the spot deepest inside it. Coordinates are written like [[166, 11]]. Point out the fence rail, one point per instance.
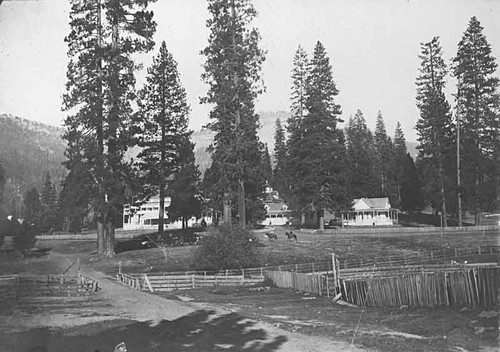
[[166, 283], [323, 267]]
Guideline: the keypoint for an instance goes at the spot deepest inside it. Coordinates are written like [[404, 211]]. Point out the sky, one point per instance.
[[373, 46]]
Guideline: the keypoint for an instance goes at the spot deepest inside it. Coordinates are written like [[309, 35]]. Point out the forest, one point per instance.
[[320, 158]]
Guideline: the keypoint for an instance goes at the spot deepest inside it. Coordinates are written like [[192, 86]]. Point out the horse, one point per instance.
[[272, 236], [291, 236]]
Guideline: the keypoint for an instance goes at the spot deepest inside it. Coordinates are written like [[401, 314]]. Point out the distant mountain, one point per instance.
[[203, 138], [28, 150]]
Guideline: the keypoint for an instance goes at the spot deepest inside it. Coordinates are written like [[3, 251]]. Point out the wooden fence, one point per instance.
[[460, 287], [166, 283], [313, 283], [16, 287]]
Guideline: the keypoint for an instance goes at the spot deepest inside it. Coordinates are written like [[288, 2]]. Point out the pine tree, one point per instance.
[[161, 126], [411, 189], [479, 111], [435, 127], [317, 159], [33, 209], [104, 35], [363, 180], [75, 198], [232, 70], [384, 161], [184, 190], [49, 204], [300, 73], [280, 177], [399, 158], [267, 168]]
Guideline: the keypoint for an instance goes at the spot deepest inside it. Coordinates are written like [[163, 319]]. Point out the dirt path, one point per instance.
[[145, 322], [145, 307]]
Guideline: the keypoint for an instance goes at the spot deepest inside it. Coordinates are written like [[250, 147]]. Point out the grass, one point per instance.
[[310, 248]]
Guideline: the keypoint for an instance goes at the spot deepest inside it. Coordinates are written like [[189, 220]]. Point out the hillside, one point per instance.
[[27, 151]]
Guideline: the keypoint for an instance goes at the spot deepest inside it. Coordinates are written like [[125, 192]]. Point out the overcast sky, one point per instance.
[[372, 45]]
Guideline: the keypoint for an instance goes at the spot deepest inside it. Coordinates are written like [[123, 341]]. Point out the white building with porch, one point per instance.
[[370, 212]]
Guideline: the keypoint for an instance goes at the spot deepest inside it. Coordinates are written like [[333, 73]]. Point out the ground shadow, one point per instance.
[[200, 331]]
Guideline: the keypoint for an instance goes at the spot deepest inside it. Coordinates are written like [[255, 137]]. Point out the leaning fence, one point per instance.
[[471, 287]]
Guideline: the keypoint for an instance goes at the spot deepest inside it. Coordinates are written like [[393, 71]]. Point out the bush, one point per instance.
[[25, 237], [227, 248]]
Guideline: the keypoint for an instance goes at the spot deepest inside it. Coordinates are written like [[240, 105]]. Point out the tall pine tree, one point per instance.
[[435, 126], [363, 178], [184, 190], [104, 35], [399, 158], [317, 159], [49, 204], [232, 70], [479, 112], [280, 177], [384, 161], [161, 126]]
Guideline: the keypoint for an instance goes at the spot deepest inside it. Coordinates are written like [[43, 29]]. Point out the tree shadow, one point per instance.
[[201, 330]]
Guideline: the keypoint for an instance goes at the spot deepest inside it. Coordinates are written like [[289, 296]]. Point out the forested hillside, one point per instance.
[[29, 150]]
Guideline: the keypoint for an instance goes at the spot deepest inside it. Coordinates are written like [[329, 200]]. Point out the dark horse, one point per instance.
[[272, 236], [291, 236]]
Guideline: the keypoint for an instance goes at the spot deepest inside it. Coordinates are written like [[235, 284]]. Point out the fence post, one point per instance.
[[78, 270], [119, 267], [432, 255], [334, 273], [192, 281]]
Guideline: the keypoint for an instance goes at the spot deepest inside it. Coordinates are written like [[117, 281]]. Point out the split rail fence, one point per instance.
[[166, 283]]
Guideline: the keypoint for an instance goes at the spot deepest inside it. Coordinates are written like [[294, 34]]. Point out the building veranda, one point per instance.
[[370, 212]]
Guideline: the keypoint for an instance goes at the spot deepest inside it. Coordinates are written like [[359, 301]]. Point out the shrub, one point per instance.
[[25, 237], [227, 248]]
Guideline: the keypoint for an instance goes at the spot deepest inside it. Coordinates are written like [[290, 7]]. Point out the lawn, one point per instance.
[[350, 250]]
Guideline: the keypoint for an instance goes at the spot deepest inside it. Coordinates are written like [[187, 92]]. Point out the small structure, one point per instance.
[[370, 212], [277, 212]]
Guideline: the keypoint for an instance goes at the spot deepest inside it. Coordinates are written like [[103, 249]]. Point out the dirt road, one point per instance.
[[145, 322]]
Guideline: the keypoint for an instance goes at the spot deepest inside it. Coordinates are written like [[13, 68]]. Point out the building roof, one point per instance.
[[371, 203]]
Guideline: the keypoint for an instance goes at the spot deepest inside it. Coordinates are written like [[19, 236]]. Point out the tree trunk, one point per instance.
[[100, 235], [161, 211], [226, 212], [321, 220], [443, 197], [241, 203], [110, 239]]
